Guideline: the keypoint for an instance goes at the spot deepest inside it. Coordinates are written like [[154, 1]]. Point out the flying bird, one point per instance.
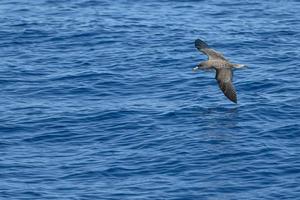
[[224, 69]]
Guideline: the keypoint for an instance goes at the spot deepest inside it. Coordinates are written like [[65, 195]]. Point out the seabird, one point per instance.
[[222, 66]]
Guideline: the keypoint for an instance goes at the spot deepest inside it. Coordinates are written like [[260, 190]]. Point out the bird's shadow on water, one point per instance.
[[216, 125], [219, 117]]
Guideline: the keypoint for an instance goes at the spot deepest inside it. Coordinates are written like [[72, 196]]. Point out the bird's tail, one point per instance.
[[238, 66]]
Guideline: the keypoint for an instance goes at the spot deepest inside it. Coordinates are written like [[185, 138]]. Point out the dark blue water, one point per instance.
[[99, 101]]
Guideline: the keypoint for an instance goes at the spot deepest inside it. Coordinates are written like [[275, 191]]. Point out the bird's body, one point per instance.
[[216, 64], [222, 66]]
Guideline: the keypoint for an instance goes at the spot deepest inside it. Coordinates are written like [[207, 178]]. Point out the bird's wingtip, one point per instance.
[[234, 100], [199, 44]]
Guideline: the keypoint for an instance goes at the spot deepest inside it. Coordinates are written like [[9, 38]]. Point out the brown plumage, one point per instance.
[[222, 66]]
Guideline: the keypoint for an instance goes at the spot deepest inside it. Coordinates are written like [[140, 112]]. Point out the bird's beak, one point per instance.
[[195, 69]]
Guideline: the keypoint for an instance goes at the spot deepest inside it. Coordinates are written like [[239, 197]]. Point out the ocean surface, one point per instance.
[[99, 101]]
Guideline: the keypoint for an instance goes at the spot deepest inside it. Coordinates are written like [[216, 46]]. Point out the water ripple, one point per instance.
[[99, 100]]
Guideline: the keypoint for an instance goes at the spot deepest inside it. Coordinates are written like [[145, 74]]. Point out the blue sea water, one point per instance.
[[99, 101]]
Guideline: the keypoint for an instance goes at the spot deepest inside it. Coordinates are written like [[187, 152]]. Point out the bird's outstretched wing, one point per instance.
[[211, 53], [224, 78]]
